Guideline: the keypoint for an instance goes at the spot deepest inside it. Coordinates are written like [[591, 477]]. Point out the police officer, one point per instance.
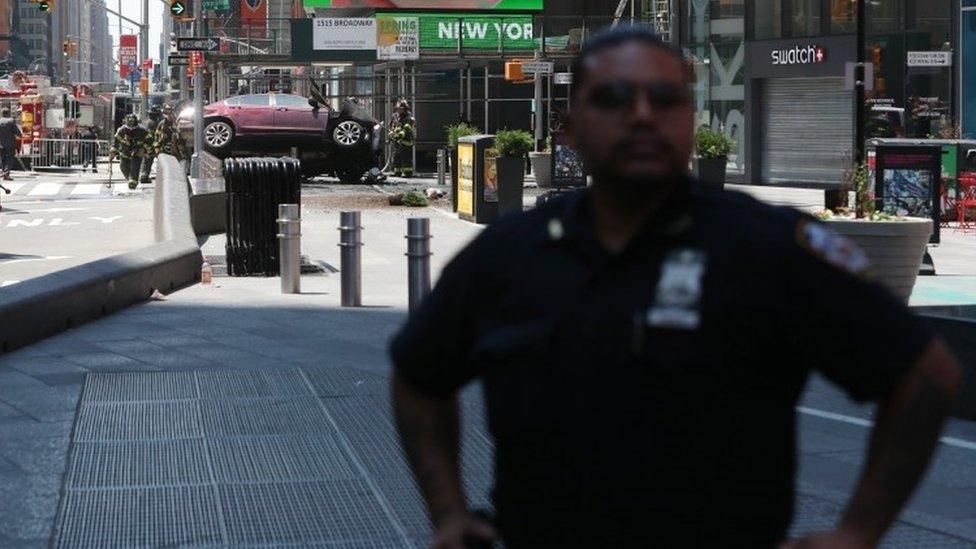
[[129, 145], [149, 148], [402, 129], [168, 139], [643, 345]]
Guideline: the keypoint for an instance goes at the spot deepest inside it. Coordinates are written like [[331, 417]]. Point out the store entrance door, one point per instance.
[[808, 130]]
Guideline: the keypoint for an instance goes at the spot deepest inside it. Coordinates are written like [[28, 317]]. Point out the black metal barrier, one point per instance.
[[255, 187]]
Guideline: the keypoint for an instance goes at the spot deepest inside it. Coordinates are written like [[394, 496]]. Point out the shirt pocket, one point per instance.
[[517, 363]]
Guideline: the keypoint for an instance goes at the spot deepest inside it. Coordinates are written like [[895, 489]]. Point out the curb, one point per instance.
[[41, 307]]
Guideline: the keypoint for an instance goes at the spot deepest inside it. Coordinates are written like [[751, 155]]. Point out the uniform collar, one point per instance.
[[573, 222]]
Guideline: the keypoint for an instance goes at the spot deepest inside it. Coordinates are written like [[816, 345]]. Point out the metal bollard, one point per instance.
[[290, 248], [351, 266], [418, 259], [442, 167]]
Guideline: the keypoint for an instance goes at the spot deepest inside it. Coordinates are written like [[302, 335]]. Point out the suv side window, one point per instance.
[[290, 101], [260, 100]]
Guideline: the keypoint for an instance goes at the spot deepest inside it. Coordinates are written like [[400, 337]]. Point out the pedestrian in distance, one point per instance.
[[90, 148], [129, 145], [643, 344], [9, 132], [402, 130]]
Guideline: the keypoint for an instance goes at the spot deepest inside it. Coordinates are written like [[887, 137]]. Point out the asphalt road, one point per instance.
[[50, 223]]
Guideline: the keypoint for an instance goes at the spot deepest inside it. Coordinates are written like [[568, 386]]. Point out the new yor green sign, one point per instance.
[[526, 5], [478, 32]]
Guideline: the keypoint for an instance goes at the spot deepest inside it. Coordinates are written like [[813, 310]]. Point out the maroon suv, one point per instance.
[[344, 143]]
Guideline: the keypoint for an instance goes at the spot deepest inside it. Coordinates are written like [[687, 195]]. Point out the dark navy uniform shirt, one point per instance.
[[650, 394]]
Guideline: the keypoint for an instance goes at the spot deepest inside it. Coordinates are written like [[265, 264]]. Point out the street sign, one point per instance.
[[178, 8], [562, 78], [537, 67], [179, 61], [147, 63], [193, 43], [929, 59], [196, 59]]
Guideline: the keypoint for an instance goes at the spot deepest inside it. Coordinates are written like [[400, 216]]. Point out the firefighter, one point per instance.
[[402, 133], [168, 139], [152, 123], [129, 146]]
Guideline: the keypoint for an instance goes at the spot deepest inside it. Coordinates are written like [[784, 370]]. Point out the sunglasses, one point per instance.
[[620, 96]]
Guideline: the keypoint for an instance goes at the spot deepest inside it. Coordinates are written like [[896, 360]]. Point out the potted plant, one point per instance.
[[512, 146], [894, 245], [542, 165], [712, 150]]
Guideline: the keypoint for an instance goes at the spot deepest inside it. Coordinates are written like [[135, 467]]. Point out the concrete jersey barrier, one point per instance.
[[37, 308]]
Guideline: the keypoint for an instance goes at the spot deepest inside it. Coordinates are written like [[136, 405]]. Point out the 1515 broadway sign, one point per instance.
[[521, 5]]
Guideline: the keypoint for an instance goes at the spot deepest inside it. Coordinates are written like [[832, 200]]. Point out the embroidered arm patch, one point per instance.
[[832, 248]]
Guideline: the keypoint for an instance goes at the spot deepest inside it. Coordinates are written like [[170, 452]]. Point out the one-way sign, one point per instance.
[[177, 8], [193, 43], [179, 61]]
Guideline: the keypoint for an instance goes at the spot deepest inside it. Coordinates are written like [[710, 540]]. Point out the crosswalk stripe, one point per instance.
[[8, 283], [46, 189], [87, 188], [14, 187]]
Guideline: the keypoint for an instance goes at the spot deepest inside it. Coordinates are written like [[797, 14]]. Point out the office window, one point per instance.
[[805, 17], [767, 19]]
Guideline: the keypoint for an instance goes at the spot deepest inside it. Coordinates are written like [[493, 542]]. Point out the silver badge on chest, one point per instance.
[[677, 301]]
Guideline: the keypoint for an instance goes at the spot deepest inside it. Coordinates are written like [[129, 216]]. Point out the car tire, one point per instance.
[[348, 133], [218, 136]]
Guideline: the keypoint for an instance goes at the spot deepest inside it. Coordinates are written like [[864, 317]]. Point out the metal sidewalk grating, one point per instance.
[[158, 517], [148, 464], [240, 458]]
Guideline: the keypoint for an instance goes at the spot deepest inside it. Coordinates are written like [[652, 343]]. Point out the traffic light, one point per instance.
[[181, 10], [46, 6], [65, 48]]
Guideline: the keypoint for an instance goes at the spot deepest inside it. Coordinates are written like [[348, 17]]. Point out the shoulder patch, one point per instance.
[[832, 248]]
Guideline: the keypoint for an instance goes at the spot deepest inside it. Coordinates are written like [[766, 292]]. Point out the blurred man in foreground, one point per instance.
[[643, 345]]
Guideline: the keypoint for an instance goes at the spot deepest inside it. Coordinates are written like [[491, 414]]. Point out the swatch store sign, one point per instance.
[[799, 55]]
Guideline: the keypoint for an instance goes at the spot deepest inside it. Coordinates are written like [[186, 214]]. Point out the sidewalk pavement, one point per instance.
[[232, 415]]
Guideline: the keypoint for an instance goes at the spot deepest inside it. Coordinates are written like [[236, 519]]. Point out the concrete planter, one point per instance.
[[895, 248], [711, 171], [542, 168]]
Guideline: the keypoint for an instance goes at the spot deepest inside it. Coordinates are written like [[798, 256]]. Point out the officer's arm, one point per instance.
[[429, 432], [909, 421]]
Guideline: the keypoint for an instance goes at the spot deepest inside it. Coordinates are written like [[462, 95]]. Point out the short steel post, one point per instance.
[[290, 247], [441, 167], [418, 259], [350, 240]]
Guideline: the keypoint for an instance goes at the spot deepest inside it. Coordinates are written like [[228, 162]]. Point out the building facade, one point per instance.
[[773, 74]]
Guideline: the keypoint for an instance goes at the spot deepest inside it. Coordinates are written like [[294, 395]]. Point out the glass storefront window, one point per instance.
[[884, 16], [843, 17], [767, 18], [928, 15], [805, 18]]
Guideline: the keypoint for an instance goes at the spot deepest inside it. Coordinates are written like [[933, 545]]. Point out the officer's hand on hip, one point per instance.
[[839, 539], [460, 529]]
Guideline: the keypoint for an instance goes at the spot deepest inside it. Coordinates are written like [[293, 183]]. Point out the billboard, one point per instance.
[[515, 5], [440, 31]]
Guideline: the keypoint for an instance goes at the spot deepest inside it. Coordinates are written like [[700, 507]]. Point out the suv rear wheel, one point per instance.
[[348, 133]]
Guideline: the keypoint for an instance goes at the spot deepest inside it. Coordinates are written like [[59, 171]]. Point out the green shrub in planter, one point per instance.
[[712, 144], [513, 143], [457, 131], [712, 149]]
